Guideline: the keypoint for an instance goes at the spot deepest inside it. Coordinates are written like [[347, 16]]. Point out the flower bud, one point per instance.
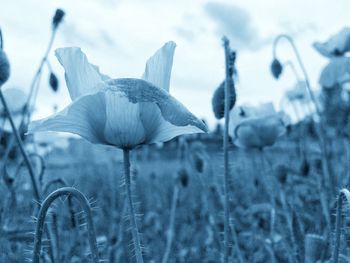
[[183, 177], [218, 100], [4, 67], [58, 17], [276, 68], [281, 173], [53, 81], [304, 168]]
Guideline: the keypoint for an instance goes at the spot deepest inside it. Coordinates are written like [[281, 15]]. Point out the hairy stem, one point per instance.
[[226, 159], [21, 147], [42, 214], [134, 229], [343, 193]]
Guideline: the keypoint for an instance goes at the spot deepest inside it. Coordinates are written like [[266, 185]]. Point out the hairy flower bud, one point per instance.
[[276, 68], [183, 177], [304, 168], [58, 17], [53, 81], [4, 67], [218, 100]]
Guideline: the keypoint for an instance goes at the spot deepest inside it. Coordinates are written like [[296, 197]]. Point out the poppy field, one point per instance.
[[125, 172]]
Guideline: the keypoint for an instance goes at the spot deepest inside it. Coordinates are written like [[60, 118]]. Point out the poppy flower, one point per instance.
[[298, 92], [16, 101], [257, 127], [336, 45], [123, 112], [337, 72]]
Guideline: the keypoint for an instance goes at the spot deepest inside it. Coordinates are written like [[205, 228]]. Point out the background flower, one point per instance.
[[337, 72], [257, 127], [336, 45]]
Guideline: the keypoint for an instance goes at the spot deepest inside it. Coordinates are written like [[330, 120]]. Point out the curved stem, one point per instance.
[[21, 147], [43, 60], [301, 64], [42, 214], [343, 193], [134, 229], [322, 136], [291, 65], [63, 183]]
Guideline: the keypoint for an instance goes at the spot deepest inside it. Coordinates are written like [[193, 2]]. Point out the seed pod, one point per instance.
[[4, 67], [304, 168], [58, 17], [276, 68], [281, 173], [53, 81], [218, 100], [183, 177]]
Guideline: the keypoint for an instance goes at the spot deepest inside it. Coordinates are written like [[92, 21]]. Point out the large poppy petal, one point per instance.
[[158, 67], [86, 116], [157, 128], [123, 126], [81, 76]]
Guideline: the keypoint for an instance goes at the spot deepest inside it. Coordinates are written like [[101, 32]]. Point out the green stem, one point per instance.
[[321, 133], [21, 147], [226, 160], [42, 214], [134, 229], [343, 193]]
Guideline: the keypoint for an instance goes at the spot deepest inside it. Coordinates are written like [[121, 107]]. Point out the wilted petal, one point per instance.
[[86, 116], [336, 45], [158, 67], [336, 72], [82, 78]]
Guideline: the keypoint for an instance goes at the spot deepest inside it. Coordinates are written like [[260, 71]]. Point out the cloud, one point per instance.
[[235, 23]]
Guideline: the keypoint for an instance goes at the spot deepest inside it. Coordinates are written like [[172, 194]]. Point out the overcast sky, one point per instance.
[[119, 36]]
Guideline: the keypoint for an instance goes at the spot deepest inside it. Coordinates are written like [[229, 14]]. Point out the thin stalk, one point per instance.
[[171, 232], [292, 67], [226, 159], [21, 147], [32, 91], [343, 193], [84, 202], [134, 229], [321, 134], [1, 40]]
